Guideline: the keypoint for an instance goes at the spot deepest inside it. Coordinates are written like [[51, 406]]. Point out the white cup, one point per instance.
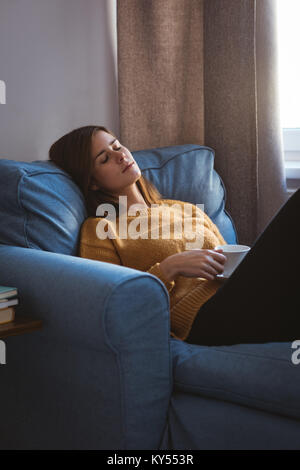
[[234, 255]]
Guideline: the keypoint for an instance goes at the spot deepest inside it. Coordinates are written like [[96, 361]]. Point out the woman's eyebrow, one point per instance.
[[104, 149]]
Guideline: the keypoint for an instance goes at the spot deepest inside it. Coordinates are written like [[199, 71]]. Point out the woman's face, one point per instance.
[[109, 164]]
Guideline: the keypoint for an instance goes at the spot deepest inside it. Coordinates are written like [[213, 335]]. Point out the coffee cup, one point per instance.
[[234, 255]]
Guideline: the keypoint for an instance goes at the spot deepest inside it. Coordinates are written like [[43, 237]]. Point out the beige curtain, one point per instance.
[[272, 190], [241, 109], [205, 72], [160, 69]]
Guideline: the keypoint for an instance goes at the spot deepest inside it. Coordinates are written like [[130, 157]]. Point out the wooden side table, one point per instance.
[[19, 326]]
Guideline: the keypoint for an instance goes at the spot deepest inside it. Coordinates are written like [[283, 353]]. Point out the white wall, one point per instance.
[[58, 59]]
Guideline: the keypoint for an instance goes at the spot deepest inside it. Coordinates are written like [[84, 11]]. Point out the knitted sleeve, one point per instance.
[[155, 270], [92, 247]]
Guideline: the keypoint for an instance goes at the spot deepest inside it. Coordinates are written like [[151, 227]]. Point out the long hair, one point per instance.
[[72, 153]]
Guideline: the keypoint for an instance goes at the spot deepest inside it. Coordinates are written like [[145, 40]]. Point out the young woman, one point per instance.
[[258, 303]]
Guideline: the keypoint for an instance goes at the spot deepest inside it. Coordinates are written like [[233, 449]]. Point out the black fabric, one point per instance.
[[260, 302]]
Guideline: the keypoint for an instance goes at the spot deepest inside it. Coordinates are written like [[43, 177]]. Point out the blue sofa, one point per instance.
[[103, 373]]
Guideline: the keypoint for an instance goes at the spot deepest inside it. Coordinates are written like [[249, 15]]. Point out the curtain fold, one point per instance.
[[230, 106], [242, 111], [205, 72], [272, 190], [160, 69]]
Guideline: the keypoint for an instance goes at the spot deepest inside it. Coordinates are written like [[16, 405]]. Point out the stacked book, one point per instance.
[[8, 299]]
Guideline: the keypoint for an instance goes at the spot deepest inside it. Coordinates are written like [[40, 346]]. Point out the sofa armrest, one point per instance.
[[114, 322]]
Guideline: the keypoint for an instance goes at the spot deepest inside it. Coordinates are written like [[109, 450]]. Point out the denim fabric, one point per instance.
[[203, 423], [186, 173], [41, 205], [259, 376]]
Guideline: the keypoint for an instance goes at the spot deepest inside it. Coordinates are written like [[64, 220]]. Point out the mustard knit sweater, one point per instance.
[[145, 253]]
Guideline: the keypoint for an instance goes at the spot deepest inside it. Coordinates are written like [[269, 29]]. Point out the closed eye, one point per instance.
[[104, 161]]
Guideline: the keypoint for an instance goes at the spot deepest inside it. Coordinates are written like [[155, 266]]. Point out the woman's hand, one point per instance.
[[194, 263]]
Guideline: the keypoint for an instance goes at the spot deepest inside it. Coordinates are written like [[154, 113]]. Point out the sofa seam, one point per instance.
[[225, 197], [285, 361], [215, 389], [199, 147], [238, 353], [224, 208]]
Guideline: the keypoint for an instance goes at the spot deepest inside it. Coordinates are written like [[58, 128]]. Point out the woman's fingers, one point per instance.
[[213, 267], [208, 276], [207, 268], [219, 257], [201, 263], [218, 267]]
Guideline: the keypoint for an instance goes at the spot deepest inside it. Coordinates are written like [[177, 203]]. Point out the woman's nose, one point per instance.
[[120, 156]]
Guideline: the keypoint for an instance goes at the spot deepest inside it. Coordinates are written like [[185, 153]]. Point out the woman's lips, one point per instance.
[[129, 166]]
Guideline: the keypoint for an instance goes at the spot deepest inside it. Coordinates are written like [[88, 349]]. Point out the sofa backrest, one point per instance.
[[186, 173], [42, 208]]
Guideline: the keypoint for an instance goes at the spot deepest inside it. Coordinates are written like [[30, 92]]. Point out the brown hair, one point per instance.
[[72, 153]]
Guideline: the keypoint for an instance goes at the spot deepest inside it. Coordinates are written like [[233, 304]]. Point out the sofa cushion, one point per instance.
[[186, 173], [40, 207], [261, 376]]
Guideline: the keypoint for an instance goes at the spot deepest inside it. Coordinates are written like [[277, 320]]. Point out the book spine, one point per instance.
[[7, 315], [5, 303]]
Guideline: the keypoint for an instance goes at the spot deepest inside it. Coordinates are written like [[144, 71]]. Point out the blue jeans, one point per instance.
[[260, 302]]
